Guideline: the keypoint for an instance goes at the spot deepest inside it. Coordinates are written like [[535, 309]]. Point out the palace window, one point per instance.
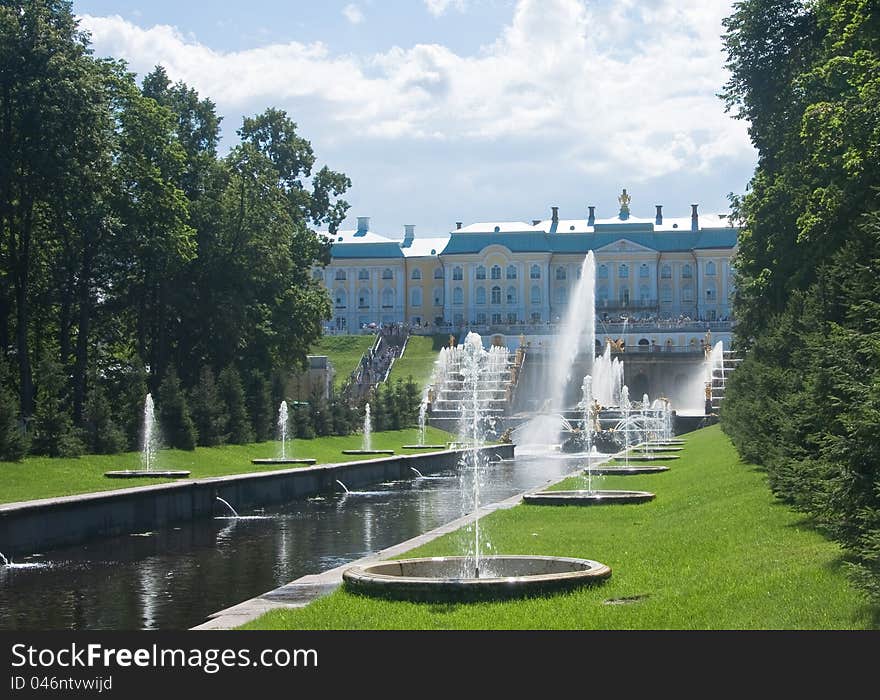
[[496, 319], [710, 293], [560, 273], [387, 298], [511, 295], [457, 273], [623, 271], [536, 316], [686, 272], [666, 294], [511, 317], [710, 268], [496, 272], [341, 299], [457, 296], [561, 295], [387, 274], [363, 274], [536, 294], [602, 272], [416, 274], [481, 295], [415, 296], [511, 272], [438, 296], [438, 273], [687, 294], [666, 272], [481, 272], [481, 318], [496, 295], [644, 272], [364, 298], [340, 275], [535, 272]]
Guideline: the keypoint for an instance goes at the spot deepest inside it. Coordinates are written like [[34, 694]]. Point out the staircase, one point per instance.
[[495, 387], [720, 375]]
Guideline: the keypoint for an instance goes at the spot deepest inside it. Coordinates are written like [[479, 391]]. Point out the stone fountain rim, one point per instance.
[[361, 575], [584, 497], [154, 473]]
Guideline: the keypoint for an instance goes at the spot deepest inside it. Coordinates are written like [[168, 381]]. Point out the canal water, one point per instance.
[[175, 577]]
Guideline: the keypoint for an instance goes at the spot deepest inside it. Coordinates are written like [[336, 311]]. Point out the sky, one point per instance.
[[465, 110]]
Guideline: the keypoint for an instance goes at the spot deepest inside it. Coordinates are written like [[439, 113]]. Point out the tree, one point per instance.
[[208, 410], [174, 417], [260, 406], [54, 434], [101, 433], [231, 390], [803, 403], [13, 441]]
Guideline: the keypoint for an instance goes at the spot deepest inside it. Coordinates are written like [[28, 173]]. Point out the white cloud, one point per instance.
[[623, 89], [439, 7], [353, 13]]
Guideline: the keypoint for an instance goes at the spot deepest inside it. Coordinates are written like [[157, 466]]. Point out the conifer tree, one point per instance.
[[231, 390], [101, 433], [208, 410], [54, 433], [13, 441], [174, 416]]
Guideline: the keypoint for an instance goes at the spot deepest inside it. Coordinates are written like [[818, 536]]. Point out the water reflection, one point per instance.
[[175, 577]]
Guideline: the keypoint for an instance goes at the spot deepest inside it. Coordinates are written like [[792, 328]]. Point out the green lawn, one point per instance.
[[418, 360], [714, 550], [344, 351], [44, 477]]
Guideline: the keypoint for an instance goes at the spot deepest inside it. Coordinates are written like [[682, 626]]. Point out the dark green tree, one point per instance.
[[208, 410], [238, 425], [54, 432], [13, 441], [260, 406], [101, 433], [178, 429], [302, 421]]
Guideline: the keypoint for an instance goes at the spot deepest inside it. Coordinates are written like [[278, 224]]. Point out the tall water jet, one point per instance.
[[577, 332], [607, 378], [587, 427], [423, 412], [473, 363], [625, 409], [282, 433], [150, 444], [367, 443], [282, 428], [150, 436], [646, 424]]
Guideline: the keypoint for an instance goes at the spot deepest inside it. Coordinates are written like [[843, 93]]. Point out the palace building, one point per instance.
[[517, 277]]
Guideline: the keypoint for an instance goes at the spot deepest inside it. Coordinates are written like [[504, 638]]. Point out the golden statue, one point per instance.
[[624, 200], [452, 341], [617, 345]]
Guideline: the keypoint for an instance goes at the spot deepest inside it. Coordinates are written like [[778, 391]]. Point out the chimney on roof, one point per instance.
[[695, 218], [408, 235], [555, 217], [591, 217], [363, 224], [659, 218], [457, 225]]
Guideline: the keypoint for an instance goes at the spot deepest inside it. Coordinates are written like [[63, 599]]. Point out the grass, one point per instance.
[[46, 477], [714, 550], [418, 360], [344, 351]]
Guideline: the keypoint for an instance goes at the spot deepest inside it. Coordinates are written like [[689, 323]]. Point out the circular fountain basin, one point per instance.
[[423, 447], [282, 460], [587, 498], [640, 457], [451, 578], [368, 452], [627, 471], [152, 473]]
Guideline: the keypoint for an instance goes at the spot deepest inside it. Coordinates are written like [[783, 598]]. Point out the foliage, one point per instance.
[[178, 429], [208, 410], [231, 390], [101, 433], [54, 434], [13, 442], [804, 402], [127, 241]]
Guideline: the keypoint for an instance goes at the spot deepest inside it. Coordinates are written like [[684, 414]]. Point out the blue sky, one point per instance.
[[465, 110]]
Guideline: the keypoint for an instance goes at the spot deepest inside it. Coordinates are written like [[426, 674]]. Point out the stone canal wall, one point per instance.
[[35, 526]]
